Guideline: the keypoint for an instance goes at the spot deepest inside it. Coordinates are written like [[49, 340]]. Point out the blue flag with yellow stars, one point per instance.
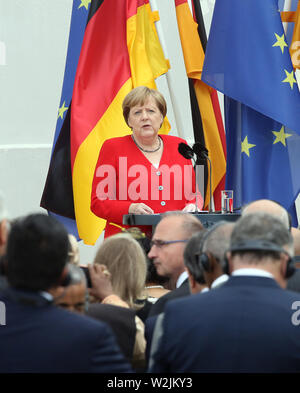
[[247, 59]]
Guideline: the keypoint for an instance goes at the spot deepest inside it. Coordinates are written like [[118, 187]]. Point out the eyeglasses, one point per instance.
[[161, 243]]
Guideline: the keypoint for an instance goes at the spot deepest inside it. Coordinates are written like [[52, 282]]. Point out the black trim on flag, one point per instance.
[[200, 21], [58, 191], [95, 5]]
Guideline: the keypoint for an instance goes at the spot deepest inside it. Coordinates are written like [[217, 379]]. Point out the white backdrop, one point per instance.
[[33, 45]]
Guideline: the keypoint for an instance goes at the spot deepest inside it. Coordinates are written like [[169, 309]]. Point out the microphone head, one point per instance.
[[185, 150], [200, 150]]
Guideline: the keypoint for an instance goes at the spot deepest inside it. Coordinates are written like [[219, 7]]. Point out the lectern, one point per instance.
[[207, 219]]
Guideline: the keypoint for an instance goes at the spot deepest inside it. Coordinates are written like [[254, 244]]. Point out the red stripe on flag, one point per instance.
[[219, 119], [102, 70], [178, 2], [132, 6]]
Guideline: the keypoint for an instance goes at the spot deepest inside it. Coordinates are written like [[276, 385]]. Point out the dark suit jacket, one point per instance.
[[41, 338], [149, 329], [245, 325], [159, 306], [293, 283], [122, 322]]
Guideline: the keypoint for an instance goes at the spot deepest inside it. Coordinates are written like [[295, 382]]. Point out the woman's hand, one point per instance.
[[190, 208], [140, 208], [100, 279]]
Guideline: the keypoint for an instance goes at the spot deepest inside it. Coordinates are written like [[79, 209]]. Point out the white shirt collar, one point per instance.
[[219, 281], [183, 276], [46, 295], [252, 272], [204, 290]]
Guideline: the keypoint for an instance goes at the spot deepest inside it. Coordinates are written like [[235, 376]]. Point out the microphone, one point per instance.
[[202, 152], [185, 150]]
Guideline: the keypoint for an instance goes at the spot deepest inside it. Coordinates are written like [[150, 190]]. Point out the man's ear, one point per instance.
[[228, 263], [284, 258]]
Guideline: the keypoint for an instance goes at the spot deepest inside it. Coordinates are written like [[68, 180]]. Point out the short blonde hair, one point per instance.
[[74, 250], [139, 96], [126, 261]]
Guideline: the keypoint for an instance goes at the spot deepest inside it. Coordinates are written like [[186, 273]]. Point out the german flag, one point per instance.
[[207, 119], [120, 51]]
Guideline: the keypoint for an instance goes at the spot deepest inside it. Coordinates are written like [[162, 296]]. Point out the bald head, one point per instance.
[[270, 207]]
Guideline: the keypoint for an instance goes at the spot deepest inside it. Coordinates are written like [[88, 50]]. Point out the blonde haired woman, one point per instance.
[[118, 278]]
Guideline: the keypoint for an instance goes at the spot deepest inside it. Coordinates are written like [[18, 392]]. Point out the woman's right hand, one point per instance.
[[140, 208]]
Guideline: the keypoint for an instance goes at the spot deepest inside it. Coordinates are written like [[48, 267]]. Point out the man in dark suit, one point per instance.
[[168, 243], [246, 325], [38, 336]]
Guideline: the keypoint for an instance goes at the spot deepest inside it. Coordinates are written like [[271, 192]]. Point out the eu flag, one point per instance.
[[247, 59]]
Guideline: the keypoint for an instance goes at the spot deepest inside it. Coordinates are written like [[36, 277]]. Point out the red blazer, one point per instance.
[[123, 175]]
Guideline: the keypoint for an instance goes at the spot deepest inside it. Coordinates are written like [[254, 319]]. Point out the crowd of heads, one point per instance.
[[39, 255]]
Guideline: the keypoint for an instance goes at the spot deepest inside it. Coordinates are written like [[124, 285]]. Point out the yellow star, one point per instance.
[[289, 78], [246, 146], [85, 3], [62, 110], [280, 136], [280, 42]]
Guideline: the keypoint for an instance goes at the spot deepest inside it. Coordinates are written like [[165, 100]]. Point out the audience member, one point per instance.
[[212, 260], [271, 207], [275, 209], [72, 297], [168, 243], [118, 278], [154, 288], [39, 337], [246, 325], [74, 256], [191, 254]]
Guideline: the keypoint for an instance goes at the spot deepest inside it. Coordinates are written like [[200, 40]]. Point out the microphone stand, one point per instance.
[[210, 182], [196, 188], [201, 152]]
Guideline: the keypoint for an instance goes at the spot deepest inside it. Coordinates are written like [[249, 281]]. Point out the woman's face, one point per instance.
[[145, 120]]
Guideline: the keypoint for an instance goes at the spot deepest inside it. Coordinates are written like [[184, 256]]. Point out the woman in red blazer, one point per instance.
[[142, 173]]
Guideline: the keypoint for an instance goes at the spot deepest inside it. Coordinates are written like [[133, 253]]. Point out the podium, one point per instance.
[[207, 219]]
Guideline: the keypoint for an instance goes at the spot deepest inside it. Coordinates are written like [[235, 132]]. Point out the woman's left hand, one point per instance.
[[190, 208]]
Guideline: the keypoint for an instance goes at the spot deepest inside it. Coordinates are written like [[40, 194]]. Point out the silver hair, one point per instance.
[[217, 239], [77, 275], [262, 226]]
